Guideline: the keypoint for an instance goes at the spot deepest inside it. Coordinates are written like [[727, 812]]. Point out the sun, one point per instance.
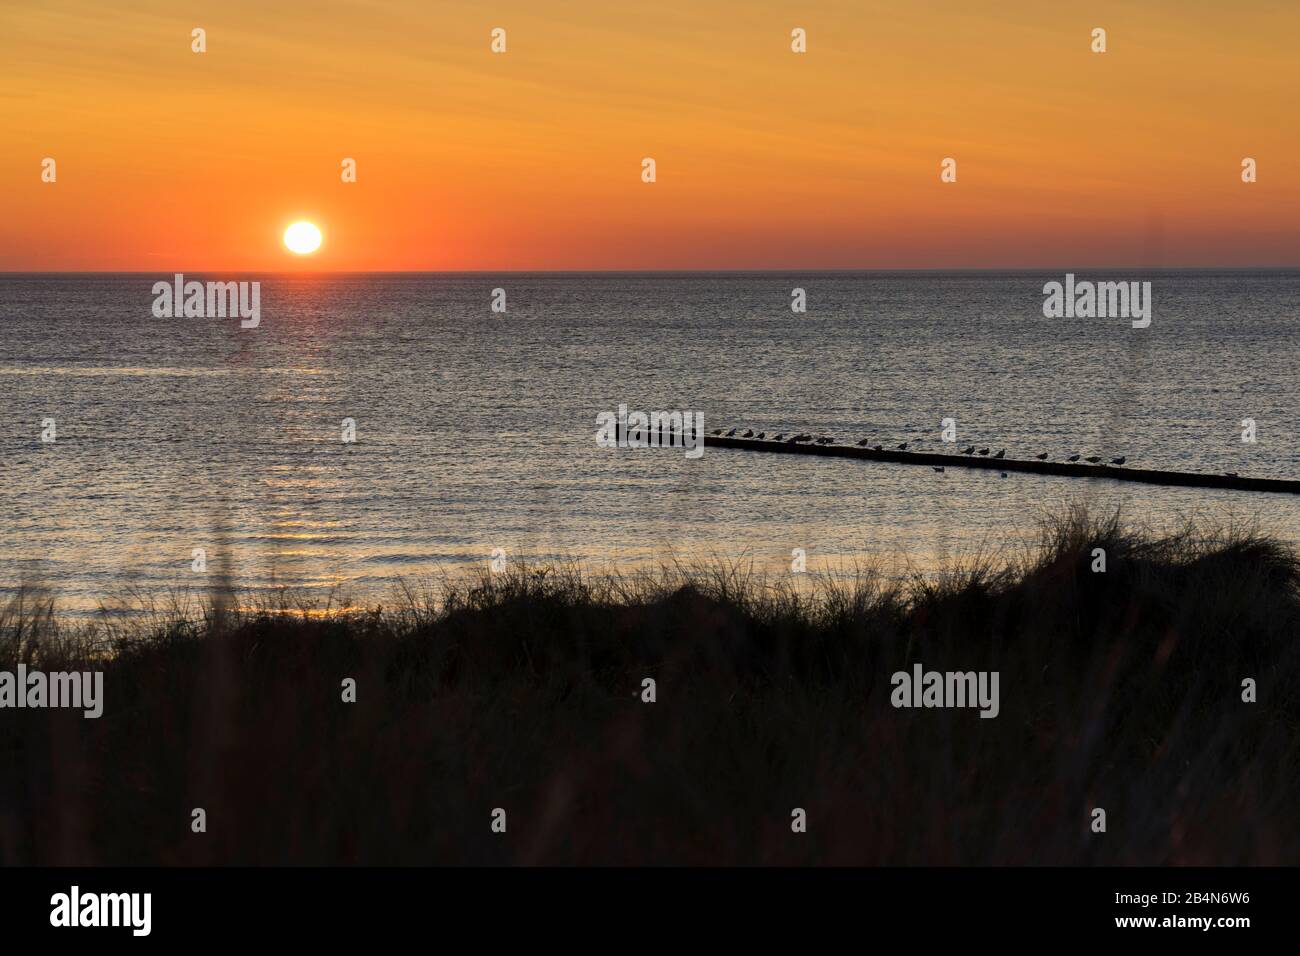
[[302, 237]]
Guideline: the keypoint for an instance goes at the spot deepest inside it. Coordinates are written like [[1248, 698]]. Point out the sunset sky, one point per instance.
[[531, 159]]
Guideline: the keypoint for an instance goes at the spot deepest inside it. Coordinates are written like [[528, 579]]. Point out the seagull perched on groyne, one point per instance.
[[1118, 461], [1042, 457], [731, 434], [1092, 459], [779, 437], [969, 450], [903, 447], [1002, 453], [824, 440], [984, 451], [749, 433], [938, 468], [1073, 458], [864, 442]]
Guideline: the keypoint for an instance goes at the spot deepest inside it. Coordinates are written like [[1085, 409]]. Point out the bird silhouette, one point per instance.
[[878, 448], [1073, 458], [731, 433], [824, 440], [969, 451], [1004, 474], [984, 451], [716, 431], [779, 437], [760, 434], [903, 447], [1002, 453], [749, 433], [1042, 457], [1093, 459], [864, 441], [1118, 461], [938, 468]]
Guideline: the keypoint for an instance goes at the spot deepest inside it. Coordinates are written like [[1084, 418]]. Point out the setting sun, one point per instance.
[[302, 237]]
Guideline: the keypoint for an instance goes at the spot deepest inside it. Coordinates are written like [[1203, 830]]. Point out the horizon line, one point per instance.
[[783, 270]]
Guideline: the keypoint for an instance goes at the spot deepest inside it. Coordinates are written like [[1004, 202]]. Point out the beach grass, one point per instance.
[[523, 690]]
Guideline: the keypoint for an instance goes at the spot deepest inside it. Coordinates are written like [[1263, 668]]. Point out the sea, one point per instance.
[[145, 460]]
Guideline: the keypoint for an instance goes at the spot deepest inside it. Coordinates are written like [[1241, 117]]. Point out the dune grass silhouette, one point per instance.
[[522, 690]]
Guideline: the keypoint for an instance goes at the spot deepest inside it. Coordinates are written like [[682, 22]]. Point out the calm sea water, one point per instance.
[[476, 430]]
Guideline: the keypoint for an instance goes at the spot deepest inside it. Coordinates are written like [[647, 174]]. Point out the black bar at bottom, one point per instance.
[[662, 907]]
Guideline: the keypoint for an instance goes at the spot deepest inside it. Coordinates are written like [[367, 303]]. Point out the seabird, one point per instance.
[[779, 437], [984, 451], [1002, 453], [903, 447], [1073, 458], [1093, 459], [760, 434], [824, 440], [938, 468], [1118, 461], [731, 434], [864, 441], [1042, 457], [803, 437], [749, 433], [716, 431], [969, 451], [878, 448], [1004, 474]]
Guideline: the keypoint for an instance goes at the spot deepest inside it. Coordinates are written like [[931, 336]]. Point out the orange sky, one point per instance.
[[169, 159]]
